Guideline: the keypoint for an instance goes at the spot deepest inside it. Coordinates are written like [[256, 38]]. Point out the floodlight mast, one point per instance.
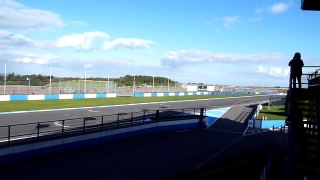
[[28, 79], [5, 79]]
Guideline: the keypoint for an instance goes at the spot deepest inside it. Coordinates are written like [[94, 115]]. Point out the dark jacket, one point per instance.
[[296, 66]]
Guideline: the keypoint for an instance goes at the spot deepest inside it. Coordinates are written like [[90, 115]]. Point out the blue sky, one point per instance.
[[203, 41]]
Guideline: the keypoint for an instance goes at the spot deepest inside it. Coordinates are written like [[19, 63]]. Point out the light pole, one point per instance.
[[28, 79]]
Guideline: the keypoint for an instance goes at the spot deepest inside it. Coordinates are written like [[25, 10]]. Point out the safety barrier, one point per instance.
[[53, 97], [85, 96]]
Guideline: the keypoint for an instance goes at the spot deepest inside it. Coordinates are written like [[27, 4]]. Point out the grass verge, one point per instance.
[[276, 112], [10, 106]]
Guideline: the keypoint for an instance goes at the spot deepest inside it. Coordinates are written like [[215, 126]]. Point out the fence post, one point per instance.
[[9, 132], [201, 118], [84, 125], [144, 116], [62, 128], [118, 120], [182, 112], [38, 130], [101, 123], [157, 115]]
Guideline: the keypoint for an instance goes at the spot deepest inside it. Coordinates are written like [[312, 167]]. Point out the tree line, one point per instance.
[[128, 80]]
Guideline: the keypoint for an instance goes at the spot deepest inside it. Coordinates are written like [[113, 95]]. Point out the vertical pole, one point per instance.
[[59, 85], [50, 83], [101, 123], [9, 132], [84, 125], [157, 115], [182, 112], [69, 87], [168, 85], [152, 84], [62, 128], [108, 83], [118, 120], [144, 116], [38, 130], [5, 79], [201, 117], [85, 81], [134, 84]]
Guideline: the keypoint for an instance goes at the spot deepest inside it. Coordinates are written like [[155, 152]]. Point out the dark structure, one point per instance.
[[313, 5], [303, 154]]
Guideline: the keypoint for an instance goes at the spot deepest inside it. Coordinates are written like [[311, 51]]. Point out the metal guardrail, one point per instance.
[[32, 132]]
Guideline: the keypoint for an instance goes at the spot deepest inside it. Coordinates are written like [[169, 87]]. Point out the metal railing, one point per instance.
[[31, 132]]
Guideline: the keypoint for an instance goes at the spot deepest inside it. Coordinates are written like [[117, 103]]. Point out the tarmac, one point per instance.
[[223, 151]]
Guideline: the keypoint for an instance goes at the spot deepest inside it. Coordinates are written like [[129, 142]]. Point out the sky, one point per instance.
[[228, 42]]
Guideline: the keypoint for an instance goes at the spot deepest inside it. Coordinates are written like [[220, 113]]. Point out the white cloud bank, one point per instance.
[[274, 71], [19, 17], [82, 41], [129, 43], [86, 42], [278, 8], [187, 57], [36, 59], [11, 40]]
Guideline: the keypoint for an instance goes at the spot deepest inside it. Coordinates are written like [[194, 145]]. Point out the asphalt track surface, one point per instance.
[[60, 114], [168, 155], [51, 120]]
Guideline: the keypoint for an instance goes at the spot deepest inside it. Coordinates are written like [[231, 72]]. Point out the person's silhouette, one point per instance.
[[296, 65]]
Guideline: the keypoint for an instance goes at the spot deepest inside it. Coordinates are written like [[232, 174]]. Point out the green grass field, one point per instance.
[[10, 106], [273, 113]]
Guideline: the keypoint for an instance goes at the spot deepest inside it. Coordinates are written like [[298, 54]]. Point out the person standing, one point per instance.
[[296, 65]]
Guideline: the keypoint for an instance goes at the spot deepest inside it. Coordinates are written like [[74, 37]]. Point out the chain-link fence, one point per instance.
[[96, 87]]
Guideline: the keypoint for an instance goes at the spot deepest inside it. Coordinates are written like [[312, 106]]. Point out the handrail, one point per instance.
[[76, 126]]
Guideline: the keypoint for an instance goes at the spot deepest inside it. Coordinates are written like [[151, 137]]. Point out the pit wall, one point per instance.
[[85, 96]]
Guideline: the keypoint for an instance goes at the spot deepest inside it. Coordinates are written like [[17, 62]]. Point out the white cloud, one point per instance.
[[18, 17], [35, 59], [278, 8], [82, 41], [130, 43], [228, 20], [274, 71], [88, 66], [11, 40], [187, 57]]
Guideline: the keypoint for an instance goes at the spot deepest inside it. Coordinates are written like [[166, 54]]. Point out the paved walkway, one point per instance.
[[158, 156]]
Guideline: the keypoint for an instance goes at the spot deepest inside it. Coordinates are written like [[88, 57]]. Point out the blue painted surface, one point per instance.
[[101, 95], [165, 94], [186, 93], [78, 96], [215, 114], [176, 93], [201, 93], [51, 97], [153, 94], [138, 95], [194, 93], [272, 123], [18, 97]]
